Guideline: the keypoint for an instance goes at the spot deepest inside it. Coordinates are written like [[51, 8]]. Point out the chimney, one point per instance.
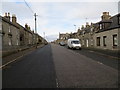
[[14, 19], [105, 16], [8, 16], [26, 26], [5, 15], [82, 27], [87, 24], [29, 27], [78, 29]]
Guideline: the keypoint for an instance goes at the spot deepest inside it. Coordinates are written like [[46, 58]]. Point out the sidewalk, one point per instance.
[[105, 52], [13, 57]]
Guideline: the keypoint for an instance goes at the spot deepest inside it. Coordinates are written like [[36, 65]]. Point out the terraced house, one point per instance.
[[104, 34], [9, 34], [15, 37], [106, 37]]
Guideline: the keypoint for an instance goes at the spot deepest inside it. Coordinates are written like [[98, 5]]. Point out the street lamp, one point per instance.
[[75, 27]]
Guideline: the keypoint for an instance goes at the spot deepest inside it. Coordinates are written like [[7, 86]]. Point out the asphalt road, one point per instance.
[[35, 70], [54, 66]]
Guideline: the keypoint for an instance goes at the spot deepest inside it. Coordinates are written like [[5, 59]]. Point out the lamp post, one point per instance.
[[75, 27]]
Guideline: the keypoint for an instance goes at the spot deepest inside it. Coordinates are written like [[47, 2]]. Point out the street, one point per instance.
[[55, 66]]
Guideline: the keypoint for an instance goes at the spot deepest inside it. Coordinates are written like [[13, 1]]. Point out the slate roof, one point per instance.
[[6, 20], [113, 21]]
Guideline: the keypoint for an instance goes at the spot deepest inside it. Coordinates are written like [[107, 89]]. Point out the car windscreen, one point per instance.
[[75, 42]]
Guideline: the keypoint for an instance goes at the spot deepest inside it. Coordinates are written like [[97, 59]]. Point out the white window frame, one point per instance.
[[10, 42], [9, 30], [91, 42], [100, 26], [115, 40]]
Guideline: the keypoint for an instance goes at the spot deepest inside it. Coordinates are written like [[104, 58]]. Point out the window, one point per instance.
[[100, 26], [119, 20], [104, 40], [17, 42], [75, 42], [10, 42], [98, 41], [91, 42], [115, 40], [83, 42], [0, 26], [103, 26], [9, 29]]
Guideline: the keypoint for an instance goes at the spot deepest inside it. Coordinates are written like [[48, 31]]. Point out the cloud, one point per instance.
[[51, 38], [55, 17]]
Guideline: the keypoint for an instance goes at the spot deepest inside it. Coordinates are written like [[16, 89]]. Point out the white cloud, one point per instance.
[[55, 17]]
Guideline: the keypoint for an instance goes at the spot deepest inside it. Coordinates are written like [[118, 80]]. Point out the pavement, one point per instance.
[[54, 66], [10, 58], [112, 53]]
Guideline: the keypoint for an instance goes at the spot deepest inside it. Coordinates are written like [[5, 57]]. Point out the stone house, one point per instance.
[[63, 37], [106, 37], [9, 33], [103, 34], [14, 37]]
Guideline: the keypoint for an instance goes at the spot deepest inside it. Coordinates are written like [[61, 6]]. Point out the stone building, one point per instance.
[[9, 34], [106, 37], [63, 37], [15, 37], [104, 34]]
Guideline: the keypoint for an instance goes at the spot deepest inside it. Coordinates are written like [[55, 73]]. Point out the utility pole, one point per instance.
[[35, 29], [44, 37]]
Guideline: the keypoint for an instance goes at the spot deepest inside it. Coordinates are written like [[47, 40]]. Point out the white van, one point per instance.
[[74, 43]]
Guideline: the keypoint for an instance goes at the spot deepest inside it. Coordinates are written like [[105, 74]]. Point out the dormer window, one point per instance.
[[100, 26], [0, 26], [119, 20], [92, 29]]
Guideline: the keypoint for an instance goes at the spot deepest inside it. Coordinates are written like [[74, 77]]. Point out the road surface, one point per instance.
[[54, 66]]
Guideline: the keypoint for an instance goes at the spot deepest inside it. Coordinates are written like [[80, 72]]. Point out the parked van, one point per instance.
[[74, 43]]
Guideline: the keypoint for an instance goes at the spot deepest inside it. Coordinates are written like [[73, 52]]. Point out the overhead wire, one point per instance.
[[28, 7]]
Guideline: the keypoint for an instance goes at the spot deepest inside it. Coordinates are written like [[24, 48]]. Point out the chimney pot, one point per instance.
[[87, 24], [14, 19], [105, 16], [5, 14], [8, 14]]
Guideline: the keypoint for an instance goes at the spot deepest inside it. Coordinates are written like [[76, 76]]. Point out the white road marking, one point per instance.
[[10, 62], [57, 83], [14, 60], [91, 51], [100, 63]]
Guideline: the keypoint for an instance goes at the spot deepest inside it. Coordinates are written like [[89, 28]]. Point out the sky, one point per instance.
[[58, 16]]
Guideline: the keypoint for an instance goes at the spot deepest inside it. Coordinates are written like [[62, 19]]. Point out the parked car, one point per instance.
[[62, 43], [74, 43], [46, 43]]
